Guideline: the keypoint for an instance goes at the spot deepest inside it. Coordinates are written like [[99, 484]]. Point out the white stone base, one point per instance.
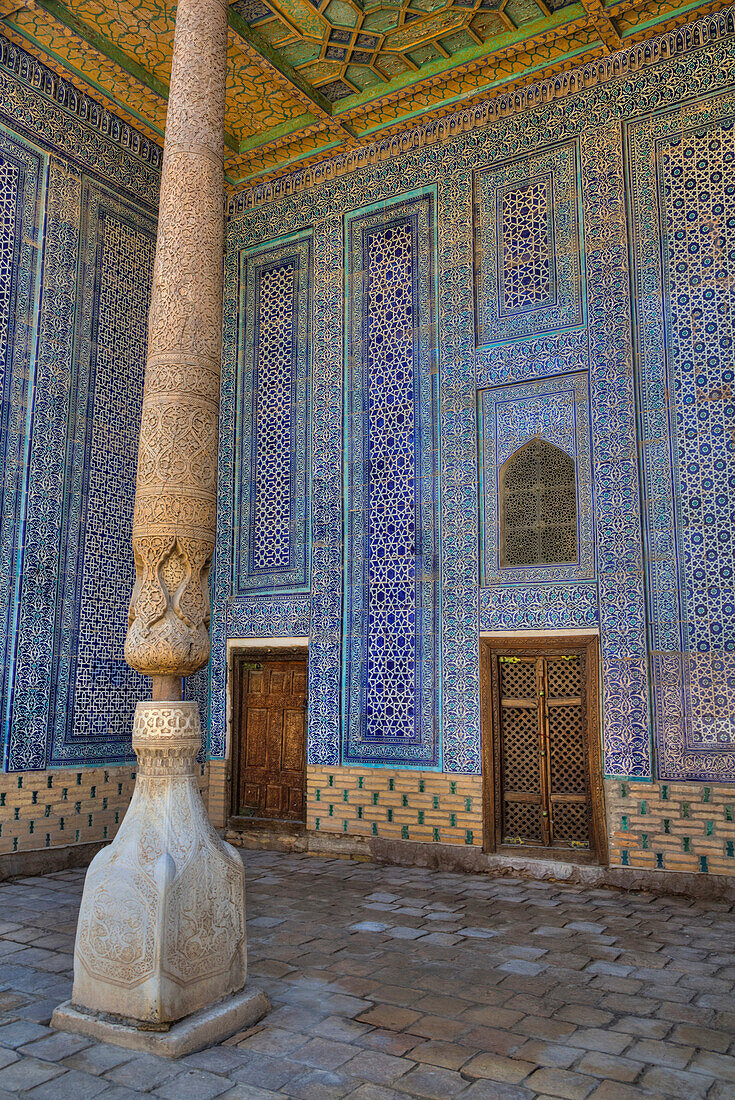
[[204, 1028], [161, 931]]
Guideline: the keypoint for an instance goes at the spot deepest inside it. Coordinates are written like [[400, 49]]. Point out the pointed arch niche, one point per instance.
[[538, 506], [536, 514]]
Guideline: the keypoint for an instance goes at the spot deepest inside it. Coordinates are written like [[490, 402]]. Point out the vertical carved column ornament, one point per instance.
[[175, 502], [161, 931]]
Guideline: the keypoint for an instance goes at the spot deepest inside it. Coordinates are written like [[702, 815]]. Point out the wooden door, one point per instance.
[[545, 790], [269, 725]]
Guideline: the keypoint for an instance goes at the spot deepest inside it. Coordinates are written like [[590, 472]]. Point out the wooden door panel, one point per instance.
[[254, 681], [292, 753], [522, 818], [295, 802], [542, 791], [299, 684], [270, 722], [255, 737]]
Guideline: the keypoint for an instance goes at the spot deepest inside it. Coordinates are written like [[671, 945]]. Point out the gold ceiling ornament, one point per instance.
[[313, 78]]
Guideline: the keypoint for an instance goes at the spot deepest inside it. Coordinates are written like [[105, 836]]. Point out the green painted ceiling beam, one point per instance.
[[272, 56]]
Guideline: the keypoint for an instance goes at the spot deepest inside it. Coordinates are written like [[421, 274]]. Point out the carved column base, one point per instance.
[[161, 928]]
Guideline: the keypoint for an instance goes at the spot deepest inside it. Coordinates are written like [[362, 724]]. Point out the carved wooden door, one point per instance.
[[541, 761], [270, 710]]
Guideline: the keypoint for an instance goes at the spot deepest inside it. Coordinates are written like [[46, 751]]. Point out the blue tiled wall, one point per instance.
[[519, 320], [78, 199], [537, 333]]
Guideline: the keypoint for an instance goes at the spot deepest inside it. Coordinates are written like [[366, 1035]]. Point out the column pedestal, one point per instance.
[[161, 930]]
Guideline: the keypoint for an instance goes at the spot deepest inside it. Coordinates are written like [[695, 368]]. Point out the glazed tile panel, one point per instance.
[[73, 408], [556, 410], [390, 655], [272, 516], [548, 305], [527, 218], [22, 183], [96, 571], [684, 232]]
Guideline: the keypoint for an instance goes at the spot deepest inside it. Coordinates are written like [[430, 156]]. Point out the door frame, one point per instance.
[[246, 651], [541, 646]]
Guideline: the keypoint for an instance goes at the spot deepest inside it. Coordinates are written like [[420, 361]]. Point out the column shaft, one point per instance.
[[175, 501]]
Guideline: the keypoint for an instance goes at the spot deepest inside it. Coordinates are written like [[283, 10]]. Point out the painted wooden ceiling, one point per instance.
[[308, 79]]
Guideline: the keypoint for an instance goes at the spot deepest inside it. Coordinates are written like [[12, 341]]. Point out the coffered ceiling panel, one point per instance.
[[308, 79]]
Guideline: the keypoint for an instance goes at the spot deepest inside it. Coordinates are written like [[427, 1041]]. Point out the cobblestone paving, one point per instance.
[[389, 982]]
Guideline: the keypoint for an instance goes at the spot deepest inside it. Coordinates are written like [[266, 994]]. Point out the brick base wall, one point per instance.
[[394, 804], [671, 826], [51, 809], [218, 795]]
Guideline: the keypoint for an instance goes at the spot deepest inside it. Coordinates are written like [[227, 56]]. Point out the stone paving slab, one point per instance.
[[390, 982]]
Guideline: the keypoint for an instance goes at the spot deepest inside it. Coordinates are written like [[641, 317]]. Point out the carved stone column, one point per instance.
[[175, 500], [161, 929]]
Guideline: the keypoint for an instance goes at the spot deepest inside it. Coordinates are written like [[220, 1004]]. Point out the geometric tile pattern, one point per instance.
[[616, 489], [527, 241], [390, 672], [22, 180], [72, 473], [539, 606], [591, 121], [527, 247], [97, 570], [688, 414], [272, 521], [556, 410], [267, 603], [446, 155], [272, 458]]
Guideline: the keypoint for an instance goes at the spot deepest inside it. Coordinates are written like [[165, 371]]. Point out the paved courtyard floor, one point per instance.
[[389, 982]]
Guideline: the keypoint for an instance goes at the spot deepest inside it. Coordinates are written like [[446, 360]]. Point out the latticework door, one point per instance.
[[541, 755]]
